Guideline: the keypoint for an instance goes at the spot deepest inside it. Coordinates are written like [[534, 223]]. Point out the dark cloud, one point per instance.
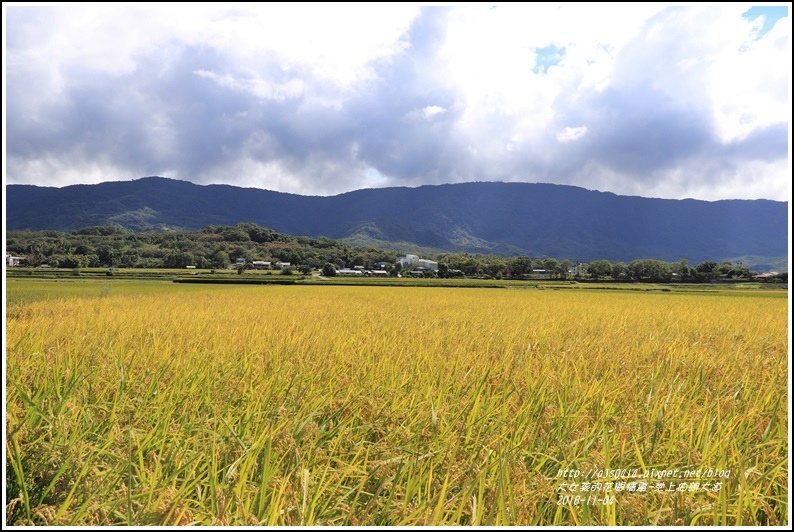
[[640, 130], [766, 144]]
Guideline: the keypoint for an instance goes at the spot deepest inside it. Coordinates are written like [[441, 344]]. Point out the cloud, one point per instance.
[[432, 110], [571, 133], [261, 88], [317, 99]]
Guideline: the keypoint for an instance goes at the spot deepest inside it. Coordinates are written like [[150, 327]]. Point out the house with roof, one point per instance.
[[12, 260]]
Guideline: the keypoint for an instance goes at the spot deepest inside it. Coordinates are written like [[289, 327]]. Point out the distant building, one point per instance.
[[413, 261], [407, 261], [11, 260], [427, 264], [349, 273], [261, 265]]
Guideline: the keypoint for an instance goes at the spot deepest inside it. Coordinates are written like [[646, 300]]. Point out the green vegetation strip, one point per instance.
[[208, 280]]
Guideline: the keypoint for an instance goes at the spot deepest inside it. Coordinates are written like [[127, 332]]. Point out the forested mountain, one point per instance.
[[502, 218]]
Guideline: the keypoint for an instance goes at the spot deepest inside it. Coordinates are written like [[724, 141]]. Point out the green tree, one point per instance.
[[741, 272], [619, 270], [128, 258], [329, 270], [70, 261], [494, 266], [650, 270], [235, 235], [599, 269], [680, 269], [179, 259], [106, 255], [565, 268], [706, 267], [221, 260], [520, 266], [707, 271], [552, 266]]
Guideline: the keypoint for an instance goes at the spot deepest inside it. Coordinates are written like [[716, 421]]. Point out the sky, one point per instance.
[[643, 99]]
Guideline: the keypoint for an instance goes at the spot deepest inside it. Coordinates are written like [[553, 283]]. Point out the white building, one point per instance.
[[413, 261], [427, 264], [407, 261], [11, 260], [350, 273]]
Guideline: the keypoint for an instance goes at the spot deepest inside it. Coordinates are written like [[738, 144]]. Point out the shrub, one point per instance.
[[329, 270]]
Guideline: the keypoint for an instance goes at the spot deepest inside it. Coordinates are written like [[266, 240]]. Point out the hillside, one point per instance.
[[501, 218]]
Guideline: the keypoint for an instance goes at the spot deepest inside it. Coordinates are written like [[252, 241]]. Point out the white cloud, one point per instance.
[[571, 133], [432, 111], [260, 88], [337, 42], [275, 95]]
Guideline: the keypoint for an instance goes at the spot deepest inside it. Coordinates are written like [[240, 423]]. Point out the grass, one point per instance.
[[155, 403]]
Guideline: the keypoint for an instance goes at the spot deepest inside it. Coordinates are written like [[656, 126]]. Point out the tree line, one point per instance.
[[219, 246], [215, 246], [643, 270]]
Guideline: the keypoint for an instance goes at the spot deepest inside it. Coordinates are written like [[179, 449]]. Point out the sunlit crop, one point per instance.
[[312, 405]]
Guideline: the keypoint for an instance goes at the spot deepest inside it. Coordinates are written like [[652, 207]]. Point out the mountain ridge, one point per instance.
[[535, 219]]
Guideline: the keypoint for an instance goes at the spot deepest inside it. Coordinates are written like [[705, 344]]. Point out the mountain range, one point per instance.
[[534, 219]]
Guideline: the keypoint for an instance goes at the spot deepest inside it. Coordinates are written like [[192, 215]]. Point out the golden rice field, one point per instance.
[[163, 404]]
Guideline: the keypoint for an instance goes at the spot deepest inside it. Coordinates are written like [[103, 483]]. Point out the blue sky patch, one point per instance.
[[771, 14], [547, 57], [373, 175]]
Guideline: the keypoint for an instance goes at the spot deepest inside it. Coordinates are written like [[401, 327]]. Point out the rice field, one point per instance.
[[130, 403]]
